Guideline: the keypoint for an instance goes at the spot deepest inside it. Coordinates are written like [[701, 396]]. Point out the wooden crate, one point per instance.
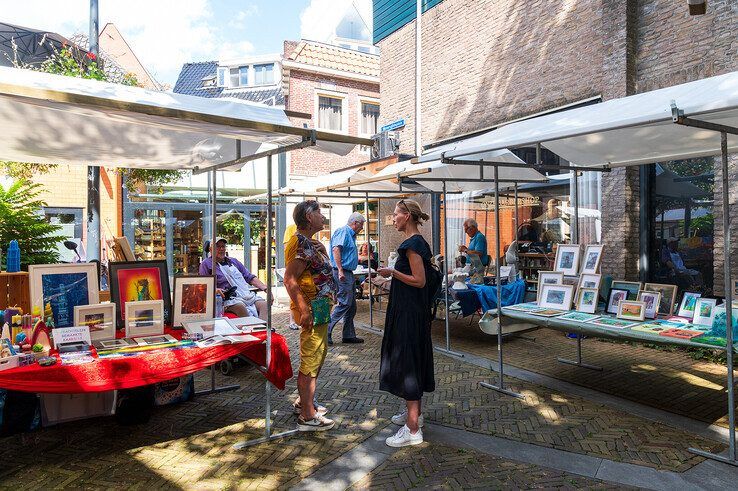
[[14, 291]]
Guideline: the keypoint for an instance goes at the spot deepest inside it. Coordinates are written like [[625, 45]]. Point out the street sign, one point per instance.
[[395, 125]]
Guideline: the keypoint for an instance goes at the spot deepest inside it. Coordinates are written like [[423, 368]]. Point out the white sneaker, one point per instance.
[[403, 438], [319, 410], [318, 423], [401, 419]]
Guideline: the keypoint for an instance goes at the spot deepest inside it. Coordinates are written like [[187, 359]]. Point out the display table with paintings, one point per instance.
[[148, 367], [659, 331]]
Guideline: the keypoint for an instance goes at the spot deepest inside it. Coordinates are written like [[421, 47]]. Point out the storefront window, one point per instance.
[[150, 233], [187, 241], [682, 235], [70, 221]]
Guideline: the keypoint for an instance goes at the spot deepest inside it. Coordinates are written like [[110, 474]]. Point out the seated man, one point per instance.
[[675, 262], [477, 241], [233, 280]]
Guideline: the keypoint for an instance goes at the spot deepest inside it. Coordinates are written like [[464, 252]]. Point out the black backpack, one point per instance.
[[433, 281]]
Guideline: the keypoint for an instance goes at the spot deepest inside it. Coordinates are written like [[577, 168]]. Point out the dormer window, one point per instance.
[[264, 74], [246, 75], [208, 82], [243, 76]]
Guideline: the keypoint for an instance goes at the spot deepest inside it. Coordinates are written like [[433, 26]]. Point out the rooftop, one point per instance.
[[335, 58]]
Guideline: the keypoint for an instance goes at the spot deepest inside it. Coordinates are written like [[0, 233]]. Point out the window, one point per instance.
[[330, 113], [369, 118], [233, 82], [222, 76], [264, 74], [243, 75]]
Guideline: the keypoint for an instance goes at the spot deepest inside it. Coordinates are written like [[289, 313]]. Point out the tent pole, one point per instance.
[[575, 240], [731, 458], [379, 251], [500, 387], [446, 254], [268, 436], [368, 262]]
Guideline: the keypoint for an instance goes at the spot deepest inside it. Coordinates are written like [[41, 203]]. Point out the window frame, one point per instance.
[[255, 66], [359, 117], [343, 96]]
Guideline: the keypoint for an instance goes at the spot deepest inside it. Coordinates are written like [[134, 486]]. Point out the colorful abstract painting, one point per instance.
[[63, 292]]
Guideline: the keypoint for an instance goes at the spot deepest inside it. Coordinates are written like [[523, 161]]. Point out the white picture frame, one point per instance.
[[567, 259], [79, 282], [587, 299], [688, 304], [211, 327], [108, 344], [248, 324], [145, 318], [614, 299], [556, 297], [652, 301], [592, 258], [548, 278], [631, 310], [704, 312], [194, 299], [154, 340], [99, 317], [590, 280]]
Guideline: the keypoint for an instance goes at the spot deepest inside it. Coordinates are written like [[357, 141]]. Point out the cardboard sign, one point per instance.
[[63, 335]]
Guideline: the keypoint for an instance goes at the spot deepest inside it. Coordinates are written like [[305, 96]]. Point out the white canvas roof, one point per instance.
[[629, 131], [56, 119]]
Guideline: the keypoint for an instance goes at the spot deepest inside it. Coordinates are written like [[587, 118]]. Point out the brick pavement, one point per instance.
[[189, 445], [430, 466]]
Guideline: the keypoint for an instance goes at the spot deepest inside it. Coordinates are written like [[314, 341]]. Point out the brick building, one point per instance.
[[487, 62]]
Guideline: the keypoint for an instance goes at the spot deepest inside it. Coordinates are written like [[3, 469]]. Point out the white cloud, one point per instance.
[[239, 20], [319, 19], [164, 34]]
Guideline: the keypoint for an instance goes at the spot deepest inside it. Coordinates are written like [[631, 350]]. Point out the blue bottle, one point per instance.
[[13, 258], [218, 305]]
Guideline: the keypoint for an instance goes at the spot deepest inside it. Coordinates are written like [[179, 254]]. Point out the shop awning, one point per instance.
[[54, 119], [629, 131]]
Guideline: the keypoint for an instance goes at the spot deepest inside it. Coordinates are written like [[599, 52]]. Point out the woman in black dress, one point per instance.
[[406, 368]]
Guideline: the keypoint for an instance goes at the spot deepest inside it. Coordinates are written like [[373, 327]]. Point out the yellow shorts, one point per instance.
[[313, 348]]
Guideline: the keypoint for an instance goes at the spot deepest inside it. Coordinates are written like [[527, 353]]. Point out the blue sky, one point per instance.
[[164, 34]]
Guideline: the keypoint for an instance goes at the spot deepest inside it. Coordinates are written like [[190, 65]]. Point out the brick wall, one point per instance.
[[302, 90], [527, 56]]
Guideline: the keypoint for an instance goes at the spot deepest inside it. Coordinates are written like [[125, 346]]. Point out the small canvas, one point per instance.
[[704, 312], [652, 301], [144, 318], [100, 318], [688, 304]]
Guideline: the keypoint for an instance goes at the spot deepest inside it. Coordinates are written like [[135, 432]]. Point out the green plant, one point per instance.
[[20, 219], [37, 348]]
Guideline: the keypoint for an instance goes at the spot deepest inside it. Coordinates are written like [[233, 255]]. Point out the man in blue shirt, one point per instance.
[[345, 259], [477, 243]]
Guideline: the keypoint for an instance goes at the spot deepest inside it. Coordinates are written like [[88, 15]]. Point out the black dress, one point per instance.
[[406, 369]]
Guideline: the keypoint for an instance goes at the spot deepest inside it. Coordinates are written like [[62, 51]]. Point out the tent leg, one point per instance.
[[446, 255], [268, 435], [213, 389], [369, 262], [500, 387], [731, 458]]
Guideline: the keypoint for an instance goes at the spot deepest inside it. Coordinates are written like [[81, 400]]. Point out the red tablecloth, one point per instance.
[[146, 368]]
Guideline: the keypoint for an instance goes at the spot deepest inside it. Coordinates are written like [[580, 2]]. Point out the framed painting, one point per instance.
[[548, 278], [704, 312], [652, 301], [616, 296], [100, 318], [58, 288], [557, 297], [194, 299], [567, 259], [139, 281], [587, 300], [631, 310], [590, 280], [632, 287], [688, 304], [668, 296], [144, 318], [592, 258]]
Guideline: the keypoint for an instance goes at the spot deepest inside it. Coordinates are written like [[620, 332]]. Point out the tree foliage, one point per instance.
[[21, 219]]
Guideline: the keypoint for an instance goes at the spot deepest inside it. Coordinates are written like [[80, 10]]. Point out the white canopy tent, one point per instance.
[[696, 119], [55, 119]]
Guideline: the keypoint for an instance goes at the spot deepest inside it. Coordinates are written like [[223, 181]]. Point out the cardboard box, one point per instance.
[[60, 408]]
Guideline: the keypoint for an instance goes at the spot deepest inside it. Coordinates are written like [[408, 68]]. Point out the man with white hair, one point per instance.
[[477, 241], [345, 259]]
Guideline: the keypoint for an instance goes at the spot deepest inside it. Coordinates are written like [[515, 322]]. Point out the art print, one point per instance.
[[587, 300], [610, 322], [704, 312], [99, 318], [193, 298], [688, 304], [632, 287], [556, 296], [615, 297], [567, 259], [668, 296], [58, 288], [592, 258], [548, 278], [589, 280], [139, 282], [144, 318], [652, 300], [578, 317], [631, 310]]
